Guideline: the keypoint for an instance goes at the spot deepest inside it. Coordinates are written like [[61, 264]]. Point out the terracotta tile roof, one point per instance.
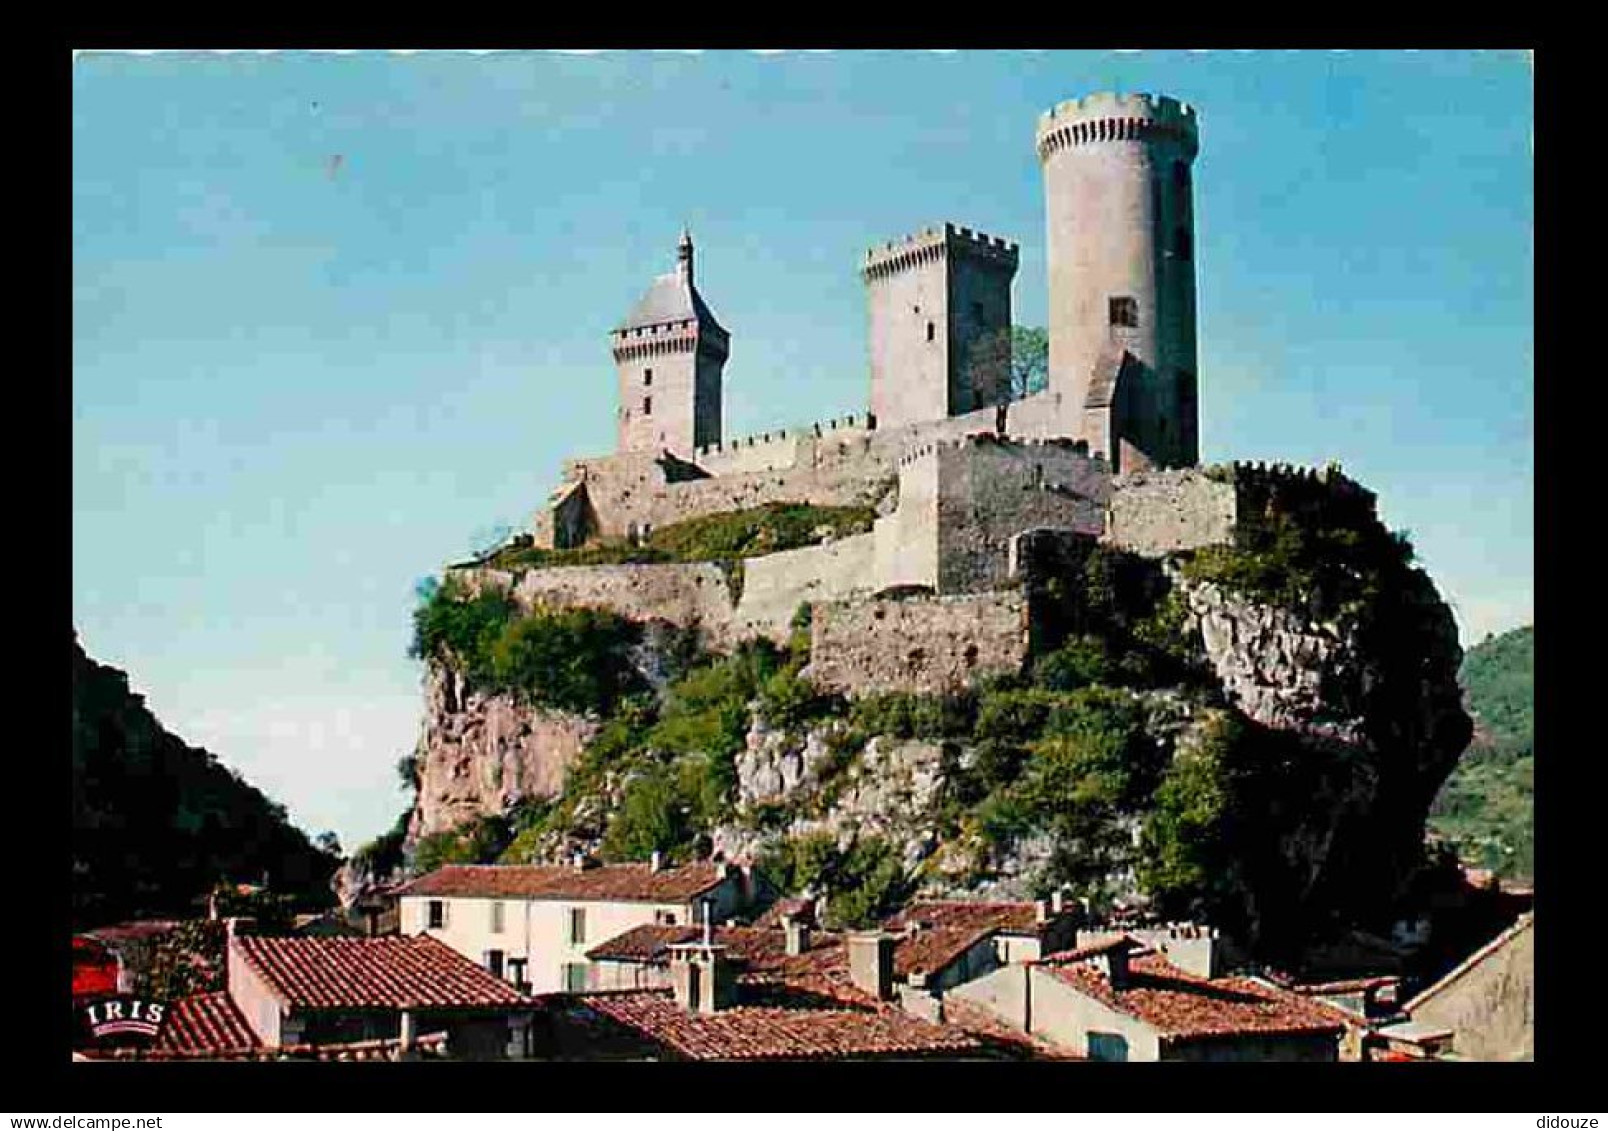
[[776, 912], [930, 949], [1010, 918], [756, 951], [761, 953], [1183, 1007], [781, 1028], [205, 1023], [1089, 950], [372, 973], [1346, 985], [625, 883]]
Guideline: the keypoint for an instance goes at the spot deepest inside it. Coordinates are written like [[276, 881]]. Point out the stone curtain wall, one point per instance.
[[931, 645], [775, 585], [1158, 512], [695, 593], [840, 468]]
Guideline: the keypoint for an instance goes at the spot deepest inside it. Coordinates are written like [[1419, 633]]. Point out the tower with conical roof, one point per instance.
[[670, 353]]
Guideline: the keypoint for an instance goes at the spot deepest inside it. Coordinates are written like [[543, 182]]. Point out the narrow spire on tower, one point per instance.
[[684, 254]]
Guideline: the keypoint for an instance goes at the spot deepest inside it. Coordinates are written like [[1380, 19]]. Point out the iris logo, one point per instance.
[[124, 1019]]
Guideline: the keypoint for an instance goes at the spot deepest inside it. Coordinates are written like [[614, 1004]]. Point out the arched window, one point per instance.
[[1183, 245], [647, 378], [929, 331], [1180, 177], [647, 406], [1124, 311]]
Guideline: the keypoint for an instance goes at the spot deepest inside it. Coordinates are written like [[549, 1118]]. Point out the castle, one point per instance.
[[968, 483]]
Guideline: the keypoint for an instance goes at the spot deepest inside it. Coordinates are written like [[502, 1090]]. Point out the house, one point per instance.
[[952, 941], [533, 925], [1120, 1000], [717, 1010], [343, 998], [1484, 1008], [333, 990]]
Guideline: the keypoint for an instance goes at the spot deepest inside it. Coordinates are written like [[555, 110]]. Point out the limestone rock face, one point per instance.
[[481, 754], [1281, 671], [889, 789]]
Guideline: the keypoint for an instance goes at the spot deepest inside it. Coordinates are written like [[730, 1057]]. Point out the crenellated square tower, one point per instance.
[[940, 305]]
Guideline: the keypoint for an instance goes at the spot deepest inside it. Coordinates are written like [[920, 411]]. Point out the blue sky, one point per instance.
[[337, 316]]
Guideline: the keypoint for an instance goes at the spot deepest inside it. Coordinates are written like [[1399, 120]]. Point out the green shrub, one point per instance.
[[1077, 663], [480, 841], [900, 714], [652, 817], [572, 659]]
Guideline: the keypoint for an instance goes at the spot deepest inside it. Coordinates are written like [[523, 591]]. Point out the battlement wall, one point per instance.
[[1325, 494], [932, 645], [1110, 117], [933, 243], [781, 447]]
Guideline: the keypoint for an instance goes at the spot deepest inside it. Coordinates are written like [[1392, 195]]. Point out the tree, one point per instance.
[[328, 842]]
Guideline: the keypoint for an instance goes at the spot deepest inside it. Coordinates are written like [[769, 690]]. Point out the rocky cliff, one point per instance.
[[482, 754]]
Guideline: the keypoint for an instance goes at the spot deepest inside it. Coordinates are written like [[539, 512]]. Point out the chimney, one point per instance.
[[407, 1033], [702, 979], [871, 962], [1058, 901], [656, 861], [578, 861], [708, 921], [1114, 963], [1041, 910], [798, 934]]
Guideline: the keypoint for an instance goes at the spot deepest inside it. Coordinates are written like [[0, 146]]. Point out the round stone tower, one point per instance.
[[1121, 244]]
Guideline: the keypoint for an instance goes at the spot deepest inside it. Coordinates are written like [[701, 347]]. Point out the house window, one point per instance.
[[494, 962], [647, 377], [577, 925], [437, 913], [1107, 1046], [647, 406], [575, 977], [1124, 311], [665, 918], [929, 331], [516, 970], [496, 917]]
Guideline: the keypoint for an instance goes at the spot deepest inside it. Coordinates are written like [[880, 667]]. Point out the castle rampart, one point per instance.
[[931, 645]]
